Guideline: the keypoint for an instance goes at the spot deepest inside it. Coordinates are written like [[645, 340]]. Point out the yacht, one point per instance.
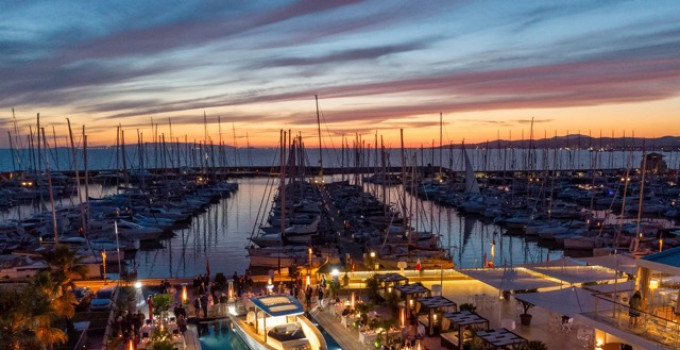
[[276, 322]]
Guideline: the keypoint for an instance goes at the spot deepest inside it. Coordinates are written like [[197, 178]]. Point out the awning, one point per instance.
[[576, 274], [390, 277], [609, 287], [621, 262], [502, 278], [567, 302], [667, 261]]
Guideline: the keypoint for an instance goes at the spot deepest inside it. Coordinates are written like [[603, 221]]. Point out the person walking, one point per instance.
[[635, 306]]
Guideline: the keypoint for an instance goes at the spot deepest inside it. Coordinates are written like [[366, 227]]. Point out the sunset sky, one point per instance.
[[488, 66]]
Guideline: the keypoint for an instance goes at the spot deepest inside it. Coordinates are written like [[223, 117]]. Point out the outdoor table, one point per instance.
[[339, 307], [369, 337], [177, 341], [501, 338], [347, 321]]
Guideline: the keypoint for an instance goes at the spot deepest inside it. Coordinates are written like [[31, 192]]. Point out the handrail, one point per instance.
[[628, 306]]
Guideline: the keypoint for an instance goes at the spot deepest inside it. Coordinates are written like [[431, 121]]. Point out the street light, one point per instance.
[[120, 271], [309, 267], [104, 265]]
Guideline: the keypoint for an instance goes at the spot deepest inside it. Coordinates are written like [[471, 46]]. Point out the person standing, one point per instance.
[[319, 295], [204, 305], [197, 307], [308, 295], [149, 303], [635, 306]]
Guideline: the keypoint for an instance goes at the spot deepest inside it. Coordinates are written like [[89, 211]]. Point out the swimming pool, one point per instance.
[[218, 335]]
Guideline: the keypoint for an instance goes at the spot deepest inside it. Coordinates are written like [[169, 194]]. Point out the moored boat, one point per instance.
[[276, 322]]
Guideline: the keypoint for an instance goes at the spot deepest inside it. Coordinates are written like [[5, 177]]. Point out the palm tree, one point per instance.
[[65, 265], [27, 319]]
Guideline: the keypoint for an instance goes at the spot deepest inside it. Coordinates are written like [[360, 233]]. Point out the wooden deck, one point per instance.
[[347, 338]]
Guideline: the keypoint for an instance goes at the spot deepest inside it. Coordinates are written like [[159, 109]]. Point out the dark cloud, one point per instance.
[[341, 57]]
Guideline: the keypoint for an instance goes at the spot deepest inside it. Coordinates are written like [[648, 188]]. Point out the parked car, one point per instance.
[[83, 297], [103, 299]]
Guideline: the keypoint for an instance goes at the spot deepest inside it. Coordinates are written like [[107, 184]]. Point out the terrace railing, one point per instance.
[[651, 327]]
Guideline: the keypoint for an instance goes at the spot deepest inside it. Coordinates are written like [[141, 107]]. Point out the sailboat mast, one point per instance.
[[49, 184], [441, 126], [318, 125], [403, 184]]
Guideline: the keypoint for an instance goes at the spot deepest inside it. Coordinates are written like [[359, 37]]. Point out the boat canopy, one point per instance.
[[278, 305]]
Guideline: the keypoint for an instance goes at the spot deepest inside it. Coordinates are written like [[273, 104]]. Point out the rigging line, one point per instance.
[[328, 132], [267, 197]]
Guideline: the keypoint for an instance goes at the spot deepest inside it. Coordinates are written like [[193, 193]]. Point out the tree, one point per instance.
[[335, 288], [27, 320], [65, 266], [372, 284], [161, 304]]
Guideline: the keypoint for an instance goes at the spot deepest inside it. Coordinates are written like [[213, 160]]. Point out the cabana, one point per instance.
[[411, 292], [434, 306], [502, 338], [388, 281], [461, 324]]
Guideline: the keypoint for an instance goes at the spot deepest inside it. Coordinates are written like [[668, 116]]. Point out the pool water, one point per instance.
[[219, 336]]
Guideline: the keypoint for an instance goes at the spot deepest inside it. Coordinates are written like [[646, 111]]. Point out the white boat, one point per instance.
[[275, 240], [276, 322]]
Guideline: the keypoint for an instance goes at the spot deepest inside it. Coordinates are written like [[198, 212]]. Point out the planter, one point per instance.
[[525, 319]]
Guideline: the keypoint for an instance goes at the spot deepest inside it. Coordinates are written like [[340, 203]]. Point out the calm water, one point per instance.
[[103, 158], [220, 235], [219, 336]]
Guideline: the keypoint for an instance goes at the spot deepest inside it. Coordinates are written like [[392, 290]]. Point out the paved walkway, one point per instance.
[[346, 338], [545, 326]]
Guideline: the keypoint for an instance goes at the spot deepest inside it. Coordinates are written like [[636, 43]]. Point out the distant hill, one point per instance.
[[576, 141]]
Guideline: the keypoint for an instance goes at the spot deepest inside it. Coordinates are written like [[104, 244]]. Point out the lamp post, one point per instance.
[[441, 277], [104, 265], [372, 255], [309, 267], [120, 271]]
